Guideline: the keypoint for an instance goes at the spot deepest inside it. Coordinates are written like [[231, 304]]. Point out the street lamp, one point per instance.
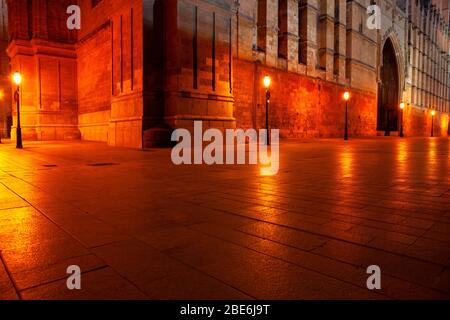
[[267, 82], [346, 98], [17, 78], [448, 125], [433, 113], [402, 107]]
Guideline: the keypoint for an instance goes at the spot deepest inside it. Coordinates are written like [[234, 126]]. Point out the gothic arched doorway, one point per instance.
[[387, 119]]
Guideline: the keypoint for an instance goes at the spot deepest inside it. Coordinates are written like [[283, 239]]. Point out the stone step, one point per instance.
[[381, 133]]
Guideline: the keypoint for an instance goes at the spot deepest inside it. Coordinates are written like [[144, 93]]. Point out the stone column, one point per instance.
[[312, 10], [40, 19], [420, 68], [326, 51], [292, 35], [272, 33], [48, 92], [18, 19], [340, 41]]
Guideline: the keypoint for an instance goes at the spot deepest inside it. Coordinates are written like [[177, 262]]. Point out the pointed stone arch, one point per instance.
[[391, 82], [391, 35]]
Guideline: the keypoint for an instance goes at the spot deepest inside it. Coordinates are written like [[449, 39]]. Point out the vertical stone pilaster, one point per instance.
[[18, 17], [340, 41], [272, 33], [40, 19], [303, 31], [292, 35], [312, 11], [326, 50], [420, 68]]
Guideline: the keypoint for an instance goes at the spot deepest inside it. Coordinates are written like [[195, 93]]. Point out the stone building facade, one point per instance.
[[5, 92], [315, 50], [139, 68]]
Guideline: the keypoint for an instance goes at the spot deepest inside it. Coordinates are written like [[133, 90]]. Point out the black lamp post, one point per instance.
[[267, 82], [387, 131], [346, 98], [448, 126], [402, 107], [433, 113], [17, 77]]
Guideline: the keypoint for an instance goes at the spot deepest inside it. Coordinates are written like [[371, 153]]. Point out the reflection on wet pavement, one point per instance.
[[144, 228]]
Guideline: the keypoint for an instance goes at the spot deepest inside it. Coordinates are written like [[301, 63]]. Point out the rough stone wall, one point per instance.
[[329, 42], [136, 65], [86, 83], [110, 64], [47, 60], [5, 80], [418, 122], [300, 106], [198, 61], [94, 86], [428, 77]]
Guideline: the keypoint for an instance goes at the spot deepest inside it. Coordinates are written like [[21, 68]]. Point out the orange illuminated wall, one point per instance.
[[5, 83], [43, 50]]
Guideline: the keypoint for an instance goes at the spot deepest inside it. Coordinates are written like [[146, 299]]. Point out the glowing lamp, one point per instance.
[[433, 113], [267, 82], [17, 78], [346, 95], [402, 105]]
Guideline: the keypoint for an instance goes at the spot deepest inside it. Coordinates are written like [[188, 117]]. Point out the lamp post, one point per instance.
[[402, 107], [346, 98], [17, 78], [448, 125], [433, 113], [267, 82]]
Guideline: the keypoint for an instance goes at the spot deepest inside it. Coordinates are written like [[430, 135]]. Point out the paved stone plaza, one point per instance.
[[142, 228]]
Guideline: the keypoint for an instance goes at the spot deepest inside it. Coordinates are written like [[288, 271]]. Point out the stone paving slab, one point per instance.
[[142, 228]]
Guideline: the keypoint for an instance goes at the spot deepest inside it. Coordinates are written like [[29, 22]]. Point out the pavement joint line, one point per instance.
[[340, 261], [333, 238], [8, 272], [62, 278], [328, 211], [296, 196], [176, 259], [430, 205], [89, 249], [210, 276], [74, 239], [290, 262], [12, 208]]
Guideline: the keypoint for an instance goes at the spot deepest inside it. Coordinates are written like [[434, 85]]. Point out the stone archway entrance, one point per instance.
[[388, 91]]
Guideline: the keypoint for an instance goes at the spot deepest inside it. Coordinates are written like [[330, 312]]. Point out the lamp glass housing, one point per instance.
[[346, 95], [17, 78], [267, 82]]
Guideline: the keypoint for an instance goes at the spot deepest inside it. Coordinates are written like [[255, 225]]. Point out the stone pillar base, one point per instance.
[[158, 137], [49, 133]]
